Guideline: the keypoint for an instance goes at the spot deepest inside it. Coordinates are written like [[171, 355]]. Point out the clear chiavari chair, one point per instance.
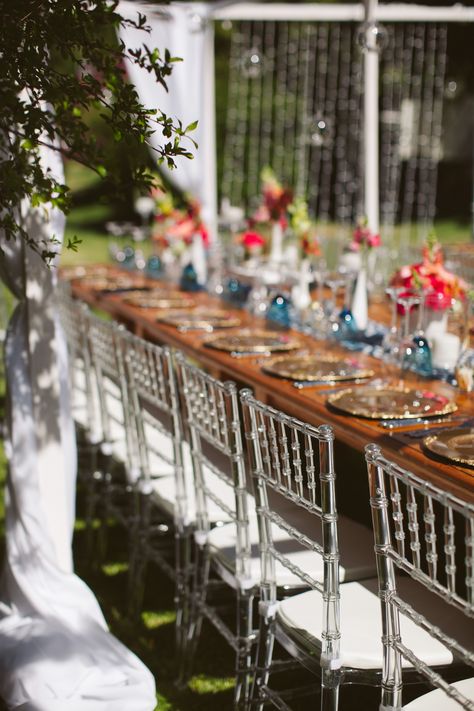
[[163, 486], [119, 446], [301, 534], [74, 317], [213, 427], [424, 543]]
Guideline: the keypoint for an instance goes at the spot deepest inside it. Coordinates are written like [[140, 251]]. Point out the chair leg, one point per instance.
[[330, 682], [244, 651], [182, 588], [138, 557], [197, 597], [265, 644]]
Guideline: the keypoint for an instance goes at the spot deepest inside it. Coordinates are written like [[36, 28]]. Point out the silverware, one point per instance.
[[411, 422], [301, 384]]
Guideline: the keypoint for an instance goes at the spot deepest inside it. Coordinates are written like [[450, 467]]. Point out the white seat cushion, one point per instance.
[[361, 625], [355, 542], [437, 700]]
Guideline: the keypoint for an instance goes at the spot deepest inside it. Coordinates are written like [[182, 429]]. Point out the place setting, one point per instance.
[[160, 299], [254, 343], [312, 369], [200, 319]]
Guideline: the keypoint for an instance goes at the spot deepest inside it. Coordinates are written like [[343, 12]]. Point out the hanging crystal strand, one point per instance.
[[279, 151], [229, 157], [254, 114], [241, 128], [425, 143], [436, 124], [267, 94], [319, 103], [412, 164], [344, 180], [330, 115], [390, 130], [291, 139], [355, 135], [307, 51]]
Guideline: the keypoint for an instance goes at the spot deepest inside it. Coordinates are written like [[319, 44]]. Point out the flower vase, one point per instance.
[[276, 251], [300, 293], [360, 305]]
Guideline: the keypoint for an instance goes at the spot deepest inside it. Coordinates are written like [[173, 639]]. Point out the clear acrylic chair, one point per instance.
[[424, 537], [292, 464], [119, 447], [212, 422], [162, 488], [74, 318]]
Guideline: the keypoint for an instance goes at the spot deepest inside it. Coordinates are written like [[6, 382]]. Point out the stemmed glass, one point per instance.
[[335, 281], [391, 340]]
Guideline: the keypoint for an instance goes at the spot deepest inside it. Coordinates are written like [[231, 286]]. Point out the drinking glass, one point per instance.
[[335, 280]]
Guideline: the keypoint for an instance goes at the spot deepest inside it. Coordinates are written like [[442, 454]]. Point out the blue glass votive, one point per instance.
[[422, 363], [128, 261], [279, 311]]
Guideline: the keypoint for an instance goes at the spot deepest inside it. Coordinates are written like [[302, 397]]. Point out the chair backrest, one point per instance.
[[295, 461], [155, 406], [427, 534], [118, 426], [212, 422], [74, 316]]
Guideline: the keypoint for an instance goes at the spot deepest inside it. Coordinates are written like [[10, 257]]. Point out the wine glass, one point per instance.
[[415, 353], [335, 280], [391, 339]]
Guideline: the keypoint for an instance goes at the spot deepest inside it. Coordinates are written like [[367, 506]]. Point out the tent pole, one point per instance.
[[208, 118], [371, 122]]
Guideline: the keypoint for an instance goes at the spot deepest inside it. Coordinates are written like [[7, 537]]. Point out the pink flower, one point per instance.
[[373, 240]]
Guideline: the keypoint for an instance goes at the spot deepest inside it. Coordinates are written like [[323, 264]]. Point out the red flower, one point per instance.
[[252, 240]]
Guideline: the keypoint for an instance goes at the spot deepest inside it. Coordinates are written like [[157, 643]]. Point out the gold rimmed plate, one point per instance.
[[254, 342], [390, 403], [199, 319], [80, 271], [455, 445], [100, 283], [159, 300], [316, 367]]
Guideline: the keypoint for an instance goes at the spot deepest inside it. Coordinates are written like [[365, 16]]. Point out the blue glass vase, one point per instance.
[[347, 325], [189, 281], [236, 293], [279, 311], [128, 261], [154, 267]]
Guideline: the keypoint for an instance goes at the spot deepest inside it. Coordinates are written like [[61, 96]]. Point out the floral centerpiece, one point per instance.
[[431, 276], [253, 243], [303, 229], [175, 228], [363, 238], [444, 299], [273, 210]]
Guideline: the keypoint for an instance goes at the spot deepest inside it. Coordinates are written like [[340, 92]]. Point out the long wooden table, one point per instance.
[[308, 404]]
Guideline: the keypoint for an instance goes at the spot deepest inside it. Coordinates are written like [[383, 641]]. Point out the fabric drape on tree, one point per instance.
[[55, 650], [184, 29]]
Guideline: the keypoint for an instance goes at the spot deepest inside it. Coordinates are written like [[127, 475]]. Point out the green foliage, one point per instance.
[[61, 64]]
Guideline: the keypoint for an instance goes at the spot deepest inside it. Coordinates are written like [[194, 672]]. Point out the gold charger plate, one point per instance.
[[455, 445], [316, 367], [200, 319], [390, 403], [159, 299], [100, 283], [255, 342]]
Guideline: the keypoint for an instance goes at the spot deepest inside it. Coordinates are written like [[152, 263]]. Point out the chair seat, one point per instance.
[[361, 648], [356, 543], [437, 700]]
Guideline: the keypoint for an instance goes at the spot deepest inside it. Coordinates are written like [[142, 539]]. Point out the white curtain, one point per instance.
[[186, 30], [55, 651]]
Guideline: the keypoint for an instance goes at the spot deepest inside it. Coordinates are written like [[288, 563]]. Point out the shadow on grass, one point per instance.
[[152, 639]]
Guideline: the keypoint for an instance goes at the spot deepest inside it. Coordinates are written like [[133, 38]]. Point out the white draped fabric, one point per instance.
[[184, 29], [55, 650]]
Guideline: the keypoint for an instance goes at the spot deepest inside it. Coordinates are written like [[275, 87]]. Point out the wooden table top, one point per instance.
[[308, 404]]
